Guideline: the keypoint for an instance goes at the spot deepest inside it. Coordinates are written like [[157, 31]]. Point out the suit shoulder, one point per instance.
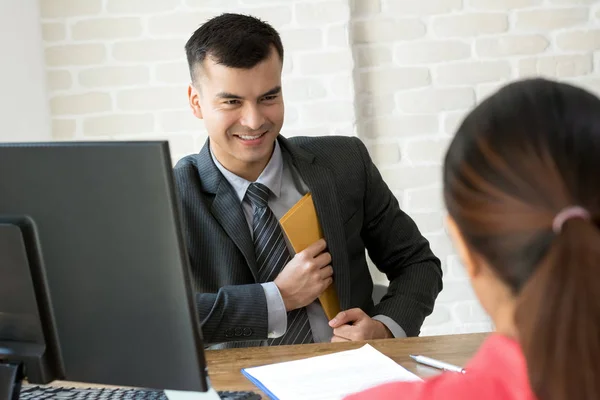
[[186, 174], [334, 143], [186, 164]]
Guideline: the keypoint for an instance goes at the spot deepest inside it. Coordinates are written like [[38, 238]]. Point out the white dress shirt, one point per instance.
[[287, 188]]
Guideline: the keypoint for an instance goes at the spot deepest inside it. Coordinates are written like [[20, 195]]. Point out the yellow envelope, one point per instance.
[[302, 228]]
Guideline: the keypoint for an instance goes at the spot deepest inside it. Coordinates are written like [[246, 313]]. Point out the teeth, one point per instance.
[[246, 137]]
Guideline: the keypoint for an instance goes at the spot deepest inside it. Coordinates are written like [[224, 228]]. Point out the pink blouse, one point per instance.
[[497, 372]]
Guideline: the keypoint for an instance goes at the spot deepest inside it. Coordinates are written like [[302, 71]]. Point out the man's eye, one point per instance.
[[232, 102], [271, 97]]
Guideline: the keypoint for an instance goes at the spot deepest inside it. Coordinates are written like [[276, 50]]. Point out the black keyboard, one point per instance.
[[30, 392]]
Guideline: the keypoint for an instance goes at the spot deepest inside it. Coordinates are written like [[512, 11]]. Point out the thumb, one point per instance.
[[345, 317]]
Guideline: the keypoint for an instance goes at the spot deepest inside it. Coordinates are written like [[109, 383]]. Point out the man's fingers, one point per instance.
[[323, 259], [338, 339], [348, 316], [326, 272], [345, 331], [316, 248]]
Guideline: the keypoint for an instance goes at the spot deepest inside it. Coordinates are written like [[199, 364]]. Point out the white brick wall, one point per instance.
[[468, 49], [400, 74], [116, 69]]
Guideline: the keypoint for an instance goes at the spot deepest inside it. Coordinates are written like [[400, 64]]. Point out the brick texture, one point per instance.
[[400, 74]]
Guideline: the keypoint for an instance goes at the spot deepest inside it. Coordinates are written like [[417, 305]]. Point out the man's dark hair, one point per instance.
[[233, 40]]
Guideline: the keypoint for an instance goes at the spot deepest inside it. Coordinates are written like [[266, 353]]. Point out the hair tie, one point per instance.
[[566, 214]]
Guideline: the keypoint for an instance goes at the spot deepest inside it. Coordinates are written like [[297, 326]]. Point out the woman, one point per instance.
[[522, 188]]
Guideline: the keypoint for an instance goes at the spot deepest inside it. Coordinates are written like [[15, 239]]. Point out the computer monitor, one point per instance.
[[104, 218]]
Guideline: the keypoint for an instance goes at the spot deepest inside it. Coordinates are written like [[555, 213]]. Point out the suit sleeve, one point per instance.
[[400, 251], [234, 313]]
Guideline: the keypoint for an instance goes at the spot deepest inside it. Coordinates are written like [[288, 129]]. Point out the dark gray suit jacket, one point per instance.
[[357, 211]]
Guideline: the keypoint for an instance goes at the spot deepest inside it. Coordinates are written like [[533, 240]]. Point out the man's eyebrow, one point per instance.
[[275, 90], [226, 95]]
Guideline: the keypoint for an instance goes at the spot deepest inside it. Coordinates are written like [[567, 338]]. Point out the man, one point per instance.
[[251, 288]]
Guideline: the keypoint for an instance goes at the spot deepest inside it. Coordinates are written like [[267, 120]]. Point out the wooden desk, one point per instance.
[[224, 366]]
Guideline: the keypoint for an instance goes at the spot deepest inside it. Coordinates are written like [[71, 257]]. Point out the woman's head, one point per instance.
[[518, 160]]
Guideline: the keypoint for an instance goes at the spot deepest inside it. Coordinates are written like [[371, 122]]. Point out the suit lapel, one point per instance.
[[226, 207], [321, 183]]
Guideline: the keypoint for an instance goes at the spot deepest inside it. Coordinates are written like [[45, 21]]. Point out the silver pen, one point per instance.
[[437, 364]]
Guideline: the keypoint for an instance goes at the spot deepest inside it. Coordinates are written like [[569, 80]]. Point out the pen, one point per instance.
[[437, 364]]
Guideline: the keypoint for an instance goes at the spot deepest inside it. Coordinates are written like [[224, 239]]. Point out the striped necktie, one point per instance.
[[271, 256]]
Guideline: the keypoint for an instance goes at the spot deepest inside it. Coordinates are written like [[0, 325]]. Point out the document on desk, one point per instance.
[[327, 377]]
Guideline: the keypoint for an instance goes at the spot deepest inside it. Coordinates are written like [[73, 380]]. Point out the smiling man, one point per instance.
[[251, 287]]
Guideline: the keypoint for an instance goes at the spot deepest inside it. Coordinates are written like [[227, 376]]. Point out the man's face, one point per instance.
[[242, 110]]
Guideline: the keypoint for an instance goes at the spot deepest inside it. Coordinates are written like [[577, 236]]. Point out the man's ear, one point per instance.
[[470, 260], [194, 99]]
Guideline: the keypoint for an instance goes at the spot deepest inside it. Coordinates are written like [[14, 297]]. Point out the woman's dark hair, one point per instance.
[[524, 154]]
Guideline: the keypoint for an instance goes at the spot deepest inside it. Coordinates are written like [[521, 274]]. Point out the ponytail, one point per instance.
[[558, 316]]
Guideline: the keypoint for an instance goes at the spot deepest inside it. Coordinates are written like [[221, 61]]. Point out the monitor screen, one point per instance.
[[107, 226]]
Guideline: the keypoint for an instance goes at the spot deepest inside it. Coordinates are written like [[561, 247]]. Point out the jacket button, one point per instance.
[[229, 332], [247, 332], [238, 331]]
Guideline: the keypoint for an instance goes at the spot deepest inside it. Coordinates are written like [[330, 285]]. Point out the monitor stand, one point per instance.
[[28, 346], [11, 376], [211, 394]]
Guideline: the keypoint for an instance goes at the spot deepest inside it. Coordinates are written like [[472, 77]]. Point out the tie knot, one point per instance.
[[258, 194]]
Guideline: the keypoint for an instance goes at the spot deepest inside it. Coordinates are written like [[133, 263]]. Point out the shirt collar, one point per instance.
[[270, 177]]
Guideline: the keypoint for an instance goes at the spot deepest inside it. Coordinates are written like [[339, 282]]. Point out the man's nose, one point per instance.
[[252, 118]]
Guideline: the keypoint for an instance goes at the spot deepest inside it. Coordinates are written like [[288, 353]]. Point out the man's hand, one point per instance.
[[306, 276], [354, 325]]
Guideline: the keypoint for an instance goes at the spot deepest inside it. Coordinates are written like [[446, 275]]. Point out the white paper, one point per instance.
[[331, 376]]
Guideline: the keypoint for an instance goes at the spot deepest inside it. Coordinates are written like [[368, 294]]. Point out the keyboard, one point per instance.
[[31, 392]]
